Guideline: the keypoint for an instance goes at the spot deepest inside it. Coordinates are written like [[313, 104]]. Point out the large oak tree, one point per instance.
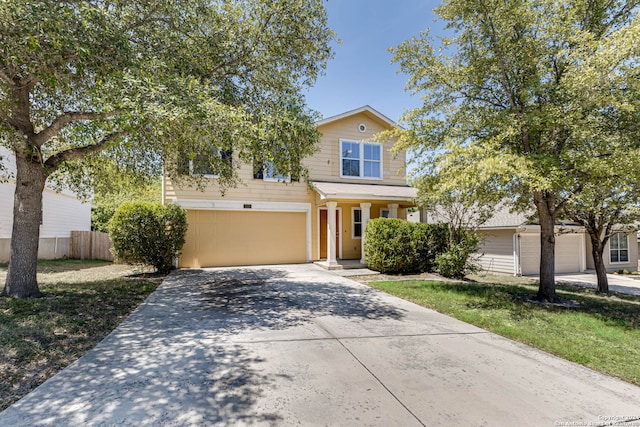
[[138, 84], [519, 90]]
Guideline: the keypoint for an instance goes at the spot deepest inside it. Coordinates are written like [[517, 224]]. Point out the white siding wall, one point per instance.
[[8, 162], [497, 251], [6, 208], [61, 213]]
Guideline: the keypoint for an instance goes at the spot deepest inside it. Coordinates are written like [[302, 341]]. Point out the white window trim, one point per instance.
[[385, 209], [628, 250], [353, 223], [362, 144]]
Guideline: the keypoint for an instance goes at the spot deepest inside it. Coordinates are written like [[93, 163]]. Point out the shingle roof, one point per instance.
[[502, 218]]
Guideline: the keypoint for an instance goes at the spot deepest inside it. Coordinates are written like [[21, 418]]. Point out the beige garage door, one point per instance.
[[568, 253], [225, 238]]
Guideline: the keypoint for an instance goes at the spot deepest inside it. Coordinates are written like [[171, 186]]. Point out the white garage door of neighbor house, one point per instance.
[[568, 253], [226, 238]]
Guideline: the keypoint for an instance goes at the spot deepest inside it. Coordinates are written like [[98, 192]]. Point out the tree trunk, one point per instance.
[[546, 214], [597, 248], [27, 212]]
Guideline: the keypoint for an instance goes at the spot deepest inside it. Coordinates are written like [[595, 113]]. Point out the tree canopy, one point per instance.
[[520, 96], [137, 84]]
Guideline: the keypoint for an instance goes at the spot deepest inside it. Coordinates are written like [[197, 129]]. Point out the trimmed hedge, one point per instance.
[[399, 246], [148, 233]]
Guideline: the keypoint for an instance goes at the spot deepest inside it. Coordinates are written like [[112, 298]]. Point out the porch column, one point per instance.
[[365, 211], [331, 234], [393, 210]]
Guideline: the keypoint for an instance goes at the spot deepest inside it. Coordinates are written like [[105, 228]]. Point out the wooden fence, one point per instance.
[[90, 245]]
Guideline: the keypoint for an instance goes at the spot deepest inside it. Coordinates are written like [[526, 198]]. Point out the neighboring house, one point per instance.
[[267, 221], [511, 244], [61, 213]]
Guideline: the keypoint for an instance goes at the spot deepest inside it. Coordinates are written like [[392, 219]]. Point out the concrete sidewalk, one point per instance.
[[298, 345], [617, 283]]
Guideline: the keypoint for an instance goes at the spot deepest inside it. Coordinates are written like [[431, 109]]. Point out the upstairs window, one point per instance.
[[619, 248], [204, 165], [266, 170], [269, 173], [360, 160]]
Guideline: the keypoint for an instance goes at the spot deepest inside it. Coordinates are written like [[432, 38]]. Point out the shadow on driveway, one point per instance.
[[172, 362]]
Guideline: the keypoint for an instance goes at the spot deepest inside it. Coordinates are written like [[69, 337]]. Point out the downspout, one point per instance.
[[516, 254]]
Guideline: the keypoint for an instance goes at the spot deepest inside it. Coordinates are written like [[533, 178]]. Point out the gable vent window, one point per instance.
[[362, 127]]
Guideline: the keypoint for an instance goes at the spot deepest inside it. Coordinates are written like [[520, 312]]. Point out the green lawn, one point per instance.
[[600, 332], [83, 301]]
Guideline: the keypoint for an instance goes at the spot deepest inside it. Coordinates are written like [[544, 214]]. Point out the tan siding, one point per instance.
[[325, 165], [252, 190], [350, 246], [496, 251]]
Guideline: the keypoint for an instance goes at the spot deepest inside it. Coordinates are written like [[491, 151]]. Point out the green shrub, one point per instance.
[[457, 261], [428, 241], [148, 233], [398, 246], [623, 271], [100, 216]]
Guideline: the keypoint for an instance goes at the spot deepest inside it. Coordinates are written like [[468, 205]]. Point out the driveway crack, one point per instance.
[[321, 326]]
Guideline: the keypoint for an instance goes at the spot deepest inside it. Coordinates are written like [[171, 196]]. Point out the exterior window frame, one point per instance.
[[267, 173], [225, 155], [362, 160], [354, 223], [382, 212], [622, 245]]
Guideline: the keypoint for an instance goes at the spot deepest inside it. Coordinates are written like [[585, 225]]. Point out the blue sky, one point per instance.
[[361, 72]]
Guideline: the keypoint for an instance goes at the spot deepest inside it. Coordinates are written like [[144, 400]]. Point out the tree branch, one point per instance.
[[64, 119], [4, 76], [54, 162], [5, 117]]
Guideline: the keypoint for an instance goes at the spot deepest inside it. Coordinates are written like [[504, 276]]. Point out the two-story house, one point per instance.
[[266, 221]]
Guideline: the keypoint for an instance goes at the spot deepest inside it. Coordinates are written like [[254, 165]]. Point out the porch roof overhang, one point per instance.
[[346, 191]]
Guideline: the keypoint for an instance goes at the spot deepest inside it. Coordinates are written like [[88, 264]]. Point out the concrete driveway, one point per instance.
[[298, 345], [617, 282]]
